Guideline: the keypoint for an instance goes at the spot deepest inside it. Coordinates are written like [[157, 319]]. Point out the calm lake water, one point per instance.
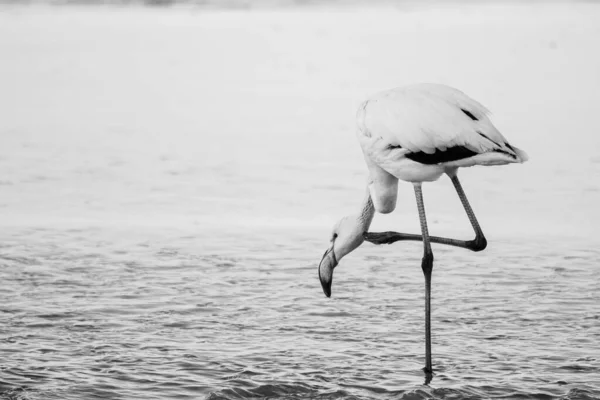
[[169, 179]]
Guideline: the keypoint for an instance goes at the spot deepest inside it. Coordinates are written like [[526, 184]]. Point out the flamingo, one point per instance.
[[416, 134]]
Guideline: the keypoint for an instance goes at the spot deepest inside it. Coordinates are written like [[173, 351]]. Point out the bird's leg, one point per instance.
[[477, 244], [427, 266], [480, 242]]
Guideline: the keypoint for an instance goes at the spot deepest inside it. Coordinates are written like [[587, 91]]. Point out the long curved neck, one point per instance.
[[352, 227], [367, 212]]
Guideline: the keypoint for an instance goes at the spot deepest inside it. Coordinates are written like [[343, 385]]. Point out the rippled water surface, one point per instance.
[[169, 178]]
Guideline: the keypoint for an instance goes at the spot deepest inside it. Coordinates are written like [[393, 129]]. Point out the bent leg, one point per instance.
[[477, 244], [480, 242]]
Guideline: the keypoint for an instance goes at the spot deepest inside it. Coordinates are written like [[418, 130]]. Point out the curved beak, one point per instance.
[[326, 266]]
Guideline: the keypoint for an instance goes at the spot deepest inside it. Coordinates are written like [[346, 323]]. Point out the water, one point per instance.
[[170, 177]]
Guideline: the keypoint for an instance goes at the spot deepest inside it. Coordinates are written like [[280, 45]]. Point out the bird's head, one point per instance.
[[346, 235]]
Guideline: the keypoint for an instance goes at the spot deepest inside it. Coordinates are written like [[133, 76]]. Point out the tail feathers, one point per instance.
[[521, 155]]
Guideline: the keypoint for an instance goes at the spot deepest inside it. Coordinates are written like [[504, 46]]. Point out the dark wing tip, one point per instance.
[[469, 114]]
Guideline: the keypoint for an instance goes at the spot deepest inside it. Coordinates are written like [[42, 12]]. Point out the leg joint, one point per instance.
[[427, 262], [478, 244]]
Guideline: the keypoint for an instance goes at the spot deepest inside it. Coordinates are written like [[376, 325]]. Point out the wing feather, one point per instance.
[[429, 117]]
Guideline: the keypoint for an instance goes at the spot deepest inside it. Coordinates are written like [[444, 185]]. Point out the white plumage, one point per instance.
[[428, 118], [416, 134]]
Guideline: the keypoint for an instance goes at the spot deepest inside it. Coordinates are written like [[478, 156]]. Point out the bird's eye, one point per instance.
[[335, 235]]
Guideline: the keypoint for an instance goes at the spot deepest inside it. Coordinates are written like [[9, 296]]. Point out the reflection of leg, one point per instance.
[[427, 266], [477, 244]]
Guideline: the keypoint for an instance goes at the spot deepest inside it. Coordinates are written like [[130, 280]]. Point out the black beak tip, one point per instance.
[[326, 285], [326, 266]]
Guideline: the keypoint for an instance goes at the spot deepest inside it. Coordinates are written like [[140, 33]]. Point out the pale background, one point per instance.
[[169, 178]]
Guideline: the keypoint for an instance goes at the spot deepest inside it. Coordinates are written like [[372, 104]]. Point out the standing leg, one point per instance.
[[427, 266]]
